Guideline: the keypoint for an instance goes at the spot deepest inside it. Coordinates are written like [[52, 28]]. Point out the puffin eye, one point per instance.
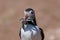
[[31, 12]]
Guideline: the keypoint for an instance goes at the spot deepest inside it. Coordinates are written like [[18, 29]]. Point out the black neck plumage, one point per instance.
[[29, 22]]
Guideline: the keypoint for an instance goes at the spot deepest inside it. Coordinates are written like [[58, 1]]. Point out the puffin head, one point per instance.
[[29, 14]]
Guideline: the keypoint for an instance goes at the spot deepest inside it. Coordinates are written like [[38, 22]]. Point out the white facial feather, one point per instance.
[[28, 13]]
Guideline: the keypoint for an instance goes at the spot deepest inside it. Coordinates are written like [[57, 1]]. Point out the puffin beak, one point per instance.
[[25, 17]]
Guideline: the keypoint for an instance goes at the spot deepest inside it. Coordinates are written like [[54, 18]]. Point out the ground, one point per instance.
[[47, 16]]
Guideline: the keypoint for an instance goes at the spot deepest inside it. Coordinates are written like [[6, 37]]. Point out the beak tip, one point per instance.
[[21, 19]]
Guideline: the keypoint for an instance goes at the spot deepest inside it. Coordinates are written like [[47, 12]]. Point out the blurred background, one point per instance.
[[47, 16]]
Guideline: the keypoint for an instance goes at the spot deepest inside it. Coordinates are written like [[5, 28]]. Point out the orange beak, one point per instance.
[[25, 17]]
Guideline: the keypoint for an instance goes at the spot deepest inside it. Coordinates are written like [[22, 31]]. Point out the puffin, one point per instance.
[[30, 29]]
